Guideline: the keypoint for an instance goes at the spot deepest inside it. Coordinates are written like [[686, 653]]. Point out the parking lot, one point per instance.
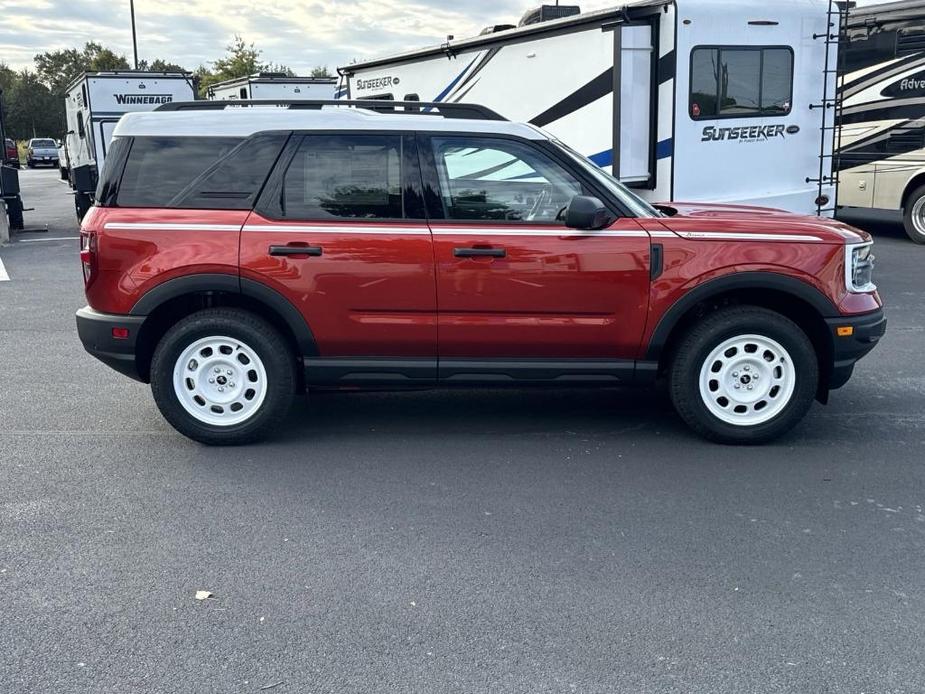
[[504, 541]]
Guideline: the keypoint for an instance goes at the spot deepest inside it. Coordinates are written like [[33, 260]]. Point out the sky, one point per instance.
[[297, 33]]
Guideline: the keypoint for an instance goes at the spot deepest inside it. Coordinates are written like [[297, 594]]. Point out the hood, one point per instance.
[[712, 221]]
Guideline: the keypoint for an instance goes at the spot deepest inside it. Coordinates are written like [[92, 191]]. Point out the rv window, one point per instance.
[[740, 82], [80, 125], [500, 180], [350, 176], [159, 168]]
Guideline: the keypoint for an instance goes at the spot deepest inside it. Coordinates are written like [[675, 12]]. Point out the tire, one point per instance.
[[63, 173], [261, 383], [82, 205], [742, 345], [914, 215], [30, 164]]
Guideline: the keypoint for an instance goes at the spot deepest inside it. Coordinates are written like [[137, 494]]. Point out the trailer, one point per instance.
[[94, 103], [881, 143], [273, 85], [722, 100]]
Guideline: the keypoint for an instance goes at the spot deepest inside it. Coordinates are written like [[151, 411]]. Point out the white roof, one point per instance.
[[242, 122]]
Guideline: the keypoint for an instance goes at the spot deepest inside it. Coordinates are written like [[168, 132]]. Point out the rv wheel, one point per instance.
[[914, 215]]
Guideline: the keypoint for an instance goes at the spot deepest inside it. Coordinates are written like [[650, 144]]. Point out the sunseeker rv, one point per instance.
[[271, 85], [681, 99], [881, 157], [94, 102]]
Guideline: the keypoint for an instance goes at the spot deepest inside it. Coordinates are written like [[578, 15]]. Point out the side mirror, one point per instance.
[[585, 212]]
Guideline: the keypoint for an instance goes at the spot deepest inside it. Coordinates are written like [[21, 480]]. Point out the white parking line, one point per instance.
[[3, 276], [52, 238]]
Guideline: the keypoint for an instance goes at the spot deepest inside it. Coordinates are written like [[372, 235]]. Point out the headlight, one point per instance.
[[859, 267]]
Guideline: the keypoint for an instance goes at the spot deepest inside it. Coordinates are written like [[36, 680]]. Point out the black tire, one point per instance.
[[30, 164], [82, 204], [62, 171], [914, 223], [259, 336], [708, 334]]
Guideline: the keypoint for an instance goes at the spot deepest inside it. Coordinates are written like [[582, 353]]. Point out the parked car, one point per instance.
[[234, 257], [42, 151], [10, 153]]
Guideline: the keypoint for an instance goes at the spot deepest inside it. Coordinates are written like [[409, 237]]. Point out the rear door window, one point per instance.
[[344, 176]]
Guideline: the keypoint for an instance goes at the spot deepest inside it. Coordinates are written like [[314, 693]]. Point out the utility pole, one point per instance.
[[131, 5]]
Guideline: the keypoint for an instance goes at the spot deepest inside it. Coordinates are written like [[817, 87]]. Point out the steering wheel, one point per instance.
[[543, 198]]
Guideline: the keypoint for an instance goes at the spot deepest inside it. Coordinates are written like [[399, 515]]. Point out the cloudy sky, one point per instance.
[[298, 33]]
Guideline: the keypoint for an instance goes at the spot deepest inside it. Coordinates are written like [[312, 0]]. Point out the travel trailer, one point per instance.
[[727, 100], [94, 103], [272, 85], [881, 143]]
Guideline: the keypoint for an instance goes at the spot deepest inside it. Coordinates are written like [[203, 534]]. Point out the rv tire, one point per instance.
[[914, 215]]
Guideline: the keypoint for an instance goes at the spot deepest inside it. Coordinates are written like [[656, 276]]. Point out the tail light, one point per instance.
[[88, 247]]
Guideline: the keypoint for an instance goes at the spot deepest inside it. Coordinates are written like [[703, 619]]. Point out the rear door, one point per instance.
[[340, 231], [512, 281]]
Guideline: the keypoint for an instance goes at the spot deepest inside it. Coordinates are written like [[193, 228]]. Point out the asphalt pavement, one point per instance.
[[482, 541]]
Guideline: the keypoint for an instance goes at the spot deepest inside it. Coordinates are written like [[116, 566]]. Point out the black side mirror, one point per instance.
[[585, 212]]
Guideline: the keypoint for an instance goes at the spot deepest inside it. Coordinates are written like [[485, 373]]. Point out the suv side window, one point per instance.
[[344, 176], [488, 179], [159, 168]]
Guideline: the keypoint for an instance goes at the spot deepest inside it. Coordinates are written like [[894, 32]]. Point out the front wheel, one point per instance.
[[914, 215], [744, 375], [223, 377]]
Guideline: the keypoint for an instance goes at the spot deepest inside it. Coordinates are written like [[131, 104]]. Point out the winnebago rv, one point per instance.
[[94, 102], [680, 99], [271, 85], [881, 152]]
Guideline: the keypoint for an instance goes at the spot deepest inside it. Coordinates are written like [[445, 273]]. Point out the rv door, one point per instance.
[[633, 138]]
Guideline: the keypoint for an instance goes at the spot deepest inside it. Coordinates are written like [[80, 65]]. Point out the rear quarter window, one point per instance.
[[197, 172]]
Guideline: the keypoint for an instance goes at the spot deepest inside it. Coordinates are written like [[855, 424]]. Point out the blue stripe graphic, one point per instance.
[[664, 149], [452, 84]]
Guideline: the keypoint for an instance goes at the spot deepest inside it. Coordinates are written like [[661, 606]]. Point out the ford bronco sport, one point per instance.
[[236, 256]]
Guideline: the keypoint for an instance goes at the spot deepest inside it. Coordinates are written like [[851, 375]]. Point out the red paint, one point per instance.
[[395, 289]]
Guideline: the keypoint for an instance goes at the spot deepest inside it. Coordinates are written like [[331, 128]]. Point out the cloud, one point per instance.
[[299, 33]]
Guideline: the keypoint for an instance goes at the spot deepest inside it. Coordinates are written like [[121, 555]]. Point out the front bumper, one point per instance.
[[865, 332], [96, 333]]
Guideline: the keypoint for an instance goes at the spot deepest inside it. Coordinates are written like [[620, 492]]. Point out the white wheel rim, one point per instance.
[[220, 381], [747, 380], [918, 215]]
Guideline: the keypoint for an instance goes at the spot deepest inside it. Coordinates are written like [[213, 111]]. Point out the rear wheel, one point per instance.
[[744, 375], [223, 377], [914, 215]]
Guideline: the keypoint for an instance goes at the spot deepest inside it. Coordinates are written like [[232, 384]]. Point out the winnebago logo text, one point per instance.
[[745, 133], [131, 99], [377, 82]]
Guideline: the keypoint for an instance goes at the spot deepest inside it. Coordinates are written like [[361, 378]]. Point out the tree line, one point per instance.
[[33, 100]]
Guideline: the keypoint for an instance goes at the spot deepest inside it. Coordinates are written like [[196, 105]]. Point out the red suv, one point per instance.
[[235, 257]]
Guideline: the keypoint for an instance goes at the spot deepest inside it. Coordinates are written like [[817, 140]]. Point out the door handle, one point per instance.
[[479, 252], [295, 250]]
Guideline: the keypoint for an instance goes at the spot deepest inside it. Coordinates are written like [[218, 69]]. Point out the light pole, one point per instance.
[[131, 5]]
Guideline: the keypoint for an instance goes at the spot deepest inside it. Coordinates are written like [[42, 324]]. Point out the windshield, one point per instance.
[[43, 143], [636, 205]]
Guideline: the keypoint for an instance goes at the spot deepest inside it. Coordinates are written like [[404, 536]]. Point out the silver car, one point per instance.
[[42, 151]]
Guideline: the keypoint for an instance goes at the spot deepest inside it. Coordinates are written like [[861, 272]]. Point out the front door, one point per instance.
[[513, 283], [340, 232]]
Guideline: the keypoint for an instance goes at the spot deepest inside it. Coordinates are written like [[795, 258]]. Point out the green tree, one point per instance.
[[31, 109], [159, 65], [240, 60], [321, 71], [57, 69]]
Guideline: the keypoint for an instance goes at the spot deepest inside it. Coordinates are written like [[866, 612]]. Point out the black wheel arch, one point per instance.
[[792, 297], [169, 301]]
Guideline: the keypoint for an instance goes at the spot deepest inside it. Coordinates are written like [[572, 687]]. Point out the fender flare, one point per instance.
[[741, 280], [231, 284]]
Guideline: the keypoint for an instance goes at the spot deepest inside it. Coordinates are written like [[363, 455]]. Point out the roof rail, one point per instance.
[[431, 108]]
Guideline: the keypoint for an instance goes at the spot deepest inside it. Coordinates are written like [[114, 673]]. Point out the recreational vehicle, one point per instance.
[[881, 143], [271, 85], [725, 100], [94, 104]]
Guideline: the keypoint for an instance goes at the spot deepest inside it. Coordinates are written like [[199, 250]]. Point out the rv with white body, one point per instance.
[[273, 86], [94, 103], [681, 99], [881, 154]]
